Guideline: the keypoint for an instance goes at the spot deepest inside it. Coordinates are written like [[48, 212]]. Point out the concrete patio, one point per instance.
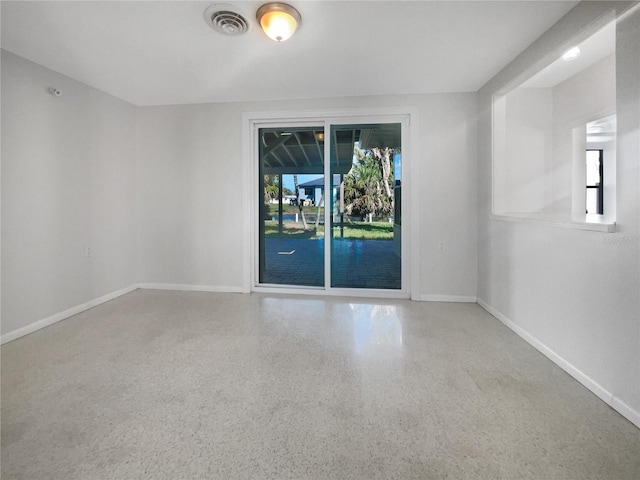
[[356, 263]]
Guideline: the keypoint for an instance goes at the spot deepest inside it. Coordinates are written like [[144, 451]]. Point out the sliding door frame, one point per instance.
[[410, 256]]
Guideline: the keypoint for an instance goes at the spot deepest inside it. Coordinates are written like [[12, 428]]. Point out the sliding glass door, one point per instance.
[[366, 184], [291, 206], [330, 206]]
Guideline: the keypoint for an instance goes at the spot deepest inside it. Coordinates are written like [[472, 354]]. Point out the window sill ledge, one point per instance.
[[545, 221]]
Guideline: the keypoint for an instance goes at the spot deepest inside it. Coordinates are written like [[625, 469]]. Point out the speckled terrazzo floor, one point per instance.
[[177, 385]]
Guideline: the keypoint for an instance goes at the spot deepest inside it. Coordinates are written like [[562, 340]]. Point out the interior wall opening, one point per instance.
[[542, 129]]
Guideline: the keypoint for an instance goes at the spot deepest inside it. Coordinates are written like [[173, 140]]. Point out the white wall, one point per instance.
[[68, 182], [156, 192], [190, 195], [522, 157], [190, 165], [573, 294]]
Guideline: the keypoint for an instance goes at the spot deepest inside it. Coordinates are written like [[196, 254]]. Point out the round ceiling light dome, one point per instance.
[[226, 19], [278, 20]]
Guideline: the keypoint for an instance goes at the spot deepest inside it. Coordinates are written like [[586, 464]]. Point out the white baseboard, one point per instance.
[[625, 410], [45, 322], [615, 403], [189, 288], [447, 298]]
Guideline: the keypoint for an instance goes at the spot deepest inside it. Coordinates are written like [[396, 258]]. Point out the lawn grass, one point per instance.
[[293, 209], [360, 231], [292, 230], [366, 231]]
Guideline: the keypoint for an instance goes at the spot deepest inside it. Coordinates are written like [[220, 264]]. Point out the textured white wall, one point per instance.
[[156, 192], [528, 147], [68, 182], [573, 292], [190, 195], [190, 205]]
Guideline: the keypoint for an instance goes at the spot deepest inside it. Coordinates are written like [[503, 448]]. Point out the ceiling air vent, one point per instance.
[[226, 19]]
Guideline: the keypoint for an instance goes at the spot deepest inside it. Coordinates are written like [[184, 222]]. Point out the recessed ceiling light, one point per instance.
[[571, 54]]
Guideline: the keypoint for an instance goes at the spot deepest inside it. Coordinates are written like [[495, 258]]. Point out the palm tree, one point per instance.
[[383, 156], [271, 185], [269, 192], [366, 186], [297, 189]]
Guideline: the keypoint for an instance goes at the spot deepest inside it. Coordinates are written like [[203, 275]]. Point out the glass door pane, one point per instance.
[[366, 187], [291, 206]]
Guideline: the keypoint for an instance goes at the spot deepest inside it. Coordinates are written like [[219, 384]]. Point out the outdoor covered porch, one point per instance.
[[356, 263], [363, 254]]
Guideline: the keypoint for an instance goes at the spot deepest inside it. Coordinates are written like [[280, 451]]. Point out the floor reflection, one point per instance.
[[375, 327]]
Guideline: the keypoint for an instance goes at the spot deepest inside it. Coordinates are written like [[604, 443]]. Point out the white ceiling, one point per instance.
[[159, 53]]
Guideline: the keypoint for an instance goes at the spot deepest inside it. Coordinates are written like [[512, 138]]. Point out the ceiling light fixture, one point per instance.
[[278, 20], [571, 54]]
